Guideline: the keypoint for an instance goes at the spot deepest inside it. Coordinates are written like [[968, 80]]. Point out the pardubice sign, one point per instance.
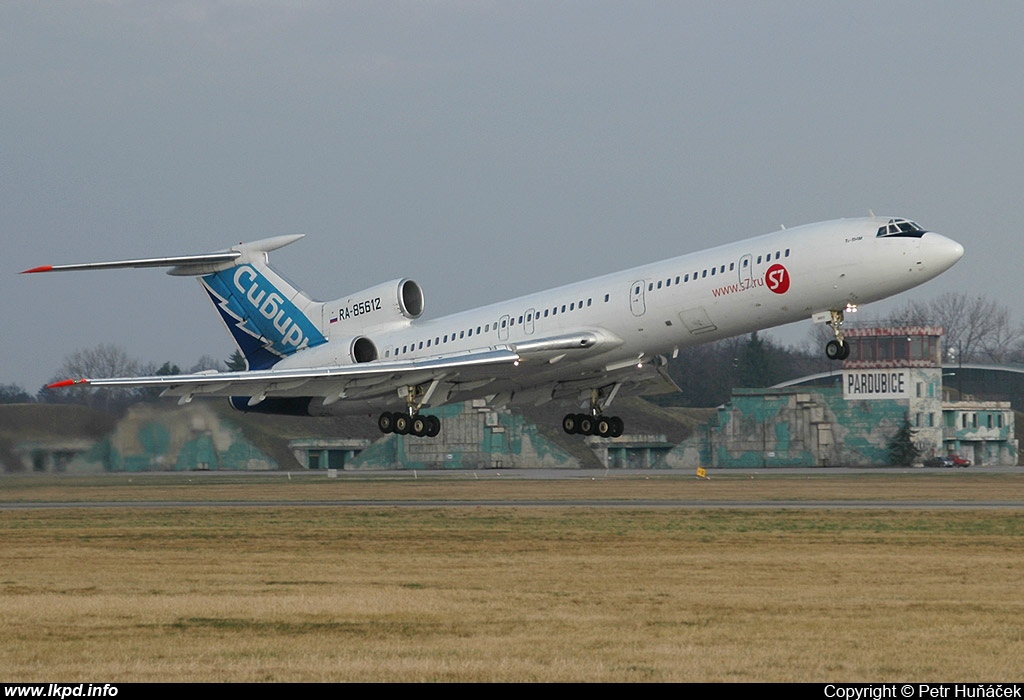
[[876, 384]]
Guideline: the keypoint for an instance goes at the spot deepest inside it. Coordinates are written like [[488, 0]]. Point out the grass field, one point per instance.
[[492, 593]]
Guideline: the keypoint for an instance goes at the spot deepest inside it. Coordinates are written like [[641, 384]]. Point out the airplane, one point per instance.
[[586, 343]]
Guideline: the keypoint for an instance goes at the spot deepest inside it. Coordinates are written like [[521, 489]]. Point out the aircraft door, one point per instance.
[[528, 318], [636, 298], [746, 269], [503, 327]]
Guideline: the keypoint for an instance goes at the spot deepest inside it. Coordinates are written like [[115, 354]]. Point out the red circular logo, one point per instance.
[[777, 279]]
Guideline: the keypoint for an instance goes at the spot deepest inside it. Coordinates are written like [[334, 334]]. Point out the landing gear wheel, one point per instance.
[[570, 424], [604, 426], [834, 350], [433, 426], [586, 424], [617, 427], [402, 424], [418, 427], [386, 422]]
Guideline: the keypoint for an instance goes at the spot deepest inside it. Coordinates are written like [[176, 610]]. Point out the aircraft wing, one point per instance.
[[336, 381], [527, 369]]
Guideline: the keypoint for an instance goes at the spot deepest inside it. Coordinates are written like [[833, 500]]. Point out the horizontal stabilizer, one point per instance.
[[207, 259], [200, 264]]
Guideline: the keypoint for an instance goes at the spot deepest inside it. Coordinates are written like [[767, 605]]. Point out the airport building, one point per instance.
[[892, 375]]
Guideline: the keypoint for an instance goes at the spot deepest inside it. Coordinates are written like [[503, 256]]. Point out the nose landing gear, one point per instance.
[[837, 349]]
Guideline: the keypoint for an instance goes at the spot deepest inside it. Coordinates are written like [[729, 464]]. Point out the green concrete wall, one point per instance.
[[165, 438], [469, 439]]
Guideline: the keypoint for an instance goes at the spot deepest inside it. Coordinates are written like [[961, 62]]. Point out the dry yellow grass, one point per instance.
[[910, 486], [505, 593]]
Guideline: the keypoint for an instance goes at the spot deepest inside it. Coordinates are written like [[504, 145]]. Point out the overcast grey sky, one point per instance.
[[485, 149]]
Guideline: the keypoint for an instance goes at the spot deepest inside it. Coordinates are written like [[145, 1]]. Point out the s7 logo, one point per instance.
[[777, 279]]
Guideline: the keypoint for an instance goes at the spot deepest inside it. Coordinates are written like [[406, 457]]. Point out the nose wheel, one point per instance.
[[834, 350]]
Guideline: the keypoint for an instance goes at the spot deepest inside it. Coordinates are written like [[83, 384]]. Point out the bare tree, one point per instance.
[[978, 327], [101, 361], [1003, 342], [206, 362]]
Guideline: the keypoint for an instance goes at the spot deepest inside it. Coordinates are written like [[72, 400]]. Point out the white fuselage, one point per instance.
[[664, 306]]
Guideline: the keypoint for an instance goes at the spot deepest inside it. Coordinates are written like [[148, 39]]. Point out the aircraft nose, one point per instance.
[[941, 252]]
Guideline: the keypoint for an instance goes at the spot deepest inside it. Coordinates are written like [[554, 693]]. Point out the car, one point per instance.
[[959, 461], [937, 461]]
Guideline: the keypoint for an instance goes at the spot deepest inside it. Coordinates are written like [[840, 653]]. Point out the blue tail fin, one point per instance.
[[268, 318]]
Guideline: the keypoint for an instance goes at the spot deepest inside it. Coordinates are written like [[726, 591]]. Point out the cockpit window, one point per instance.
[[901, 227]]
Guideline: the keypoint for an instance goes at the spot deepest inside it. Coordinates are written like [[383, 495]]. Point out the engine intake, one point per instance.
[[362, 349], [385, 303]]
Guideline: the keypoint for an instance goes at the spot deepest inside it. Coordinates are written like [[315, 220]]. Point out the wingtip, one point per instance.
[[67, 382], [41, 268]]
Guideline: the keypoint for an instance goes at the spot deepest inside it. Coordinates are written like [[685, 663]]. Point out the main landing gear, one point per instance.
[[601, 426], [837, 349], [594, 423], [411, 422], [405, 424]]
